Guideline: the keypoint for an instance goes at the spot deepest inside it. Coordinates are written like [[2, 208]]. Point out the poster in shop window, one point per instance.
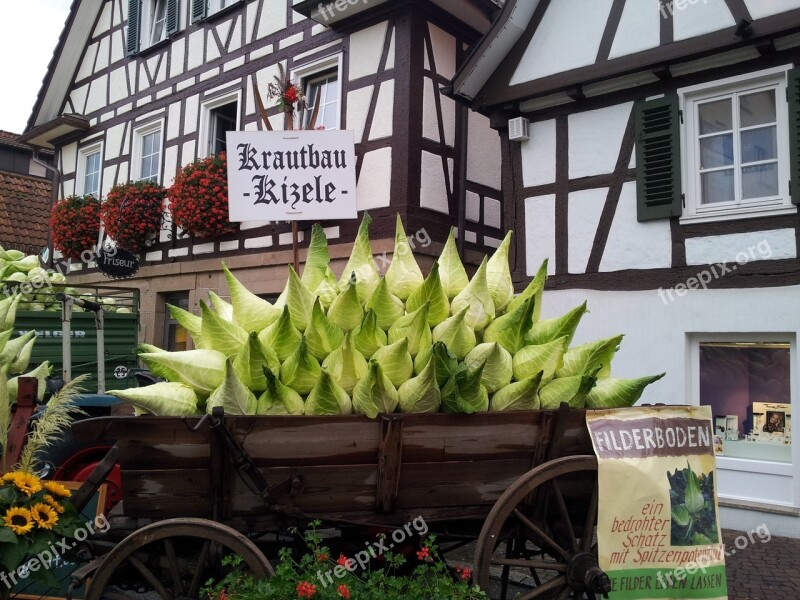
[[658, 524]]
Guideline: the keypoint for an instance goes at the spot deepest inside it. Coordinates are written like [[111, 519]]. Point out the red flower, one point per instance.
[[342, 560], [306, 590], [75, 224], [322, 557], [464, 572], [290, 96], [424, 553], [343, 590], [132, 213], [198, 198]]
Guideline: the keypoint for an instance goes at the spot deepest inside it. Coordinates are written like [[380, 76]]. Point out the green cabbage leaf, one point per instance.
[[163, 399], [520, 395], [552, 329], [617, 393], [455, 334], [328, 397], [281, 337], [346, 364], [387, 307], [322, 336], [403, 275], [420, 394], [548, 357], [279, 399], [345, 311], [431, 292], [250, 312], [414, 328], [300, 370], [477, 299], [451, 269], [498, 276], [232, 395], [374, 393], [395, 361], [497, 365], [587, 357], [368, 337]]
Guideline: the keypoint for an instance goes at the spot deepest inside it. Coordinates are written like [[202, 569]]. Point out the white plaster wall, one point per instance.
[[366, 47], [104, 21], [87, 65], [113, 145], [741, 248], [433, 192], [540, 243], [117, 47], [102, 54], [539, 154], [236, 37], [118, 89], [357, 109], [196, 49], [634, 245], [191, 113], [585, 208], [659, 335], [595, 139], [97, 94], [430, 120], [252, 8], [567, 38], [484, 158], [374, 184], [384, 112], [176, 62], [764, 8], [444, 51], [691, 20], [639, 28], [273, 17]]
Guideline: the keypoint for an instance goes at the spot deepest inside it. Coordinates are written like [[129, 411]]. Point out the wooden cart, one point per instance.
[[522, 483]]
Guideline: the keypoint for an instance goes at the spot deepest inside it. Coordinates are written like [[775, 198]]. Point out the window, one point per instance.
[[219, 116], [150, 22], [175, 336], [323, 91], [720, 150], [89, 167], [321, 86], [203, 8], [147, 153], [747, 384]]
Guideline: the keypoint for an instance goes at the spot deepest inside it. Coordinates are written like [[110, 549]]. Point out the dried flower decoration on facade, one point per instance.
[[289, 95], [132, 213]]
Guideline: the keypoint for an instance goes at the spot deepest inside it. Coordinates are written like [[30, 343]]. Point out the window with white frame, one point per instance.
[[89, 168], [736, 146], [147, 153], [322, 88], [220, 116], [205, 8], [150, 22], [154, 21]]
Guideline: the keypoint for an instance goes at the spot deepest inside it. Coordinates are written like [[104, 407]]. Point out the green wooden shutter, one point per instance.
[[658, 159], [172, 17], [199, 10], [793, 83], [134, 15]]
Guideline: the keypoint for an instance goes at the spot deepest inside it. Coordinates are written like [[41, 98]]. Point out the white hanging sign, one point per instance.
[[291, 175]]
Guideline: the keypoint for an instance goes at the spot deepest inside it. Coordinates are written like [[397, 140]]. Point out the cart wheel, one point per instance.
[[174, 558], [539, 536]]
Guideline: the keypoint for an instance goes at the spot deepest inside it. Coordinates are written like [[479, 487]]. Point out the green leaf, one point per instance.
[[8, 311], [572, 390], [14, 347], [232, 395], [328, 289], [541, 357], [431, 291], [7, 536], [403, 276], [300, 371], [616, 393], [40, 373], [693, 499], [282, 337], [202, 370], [420, 394], [464, 393], [249, 311], [374, 393], [520, 395], [387, 307], [322, 335], [510, 329], [317, 259], [587, 357], [414, 327], [223, 309], [249, 364], [299, 300], [221, 335], [279, 399], [498, 276], [451, 269], [362, 263], [346, 311], [548, 330], [190, 322], [23, 359], [368, 337], [328, 397], [163, 399], [534, 289], [455, 334], [395, 361], [477, 299], [346, 364], [497, 365]]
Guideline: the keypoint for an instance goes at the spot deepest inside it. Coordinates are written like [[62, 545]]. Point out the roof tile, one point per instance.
[[24, 211]]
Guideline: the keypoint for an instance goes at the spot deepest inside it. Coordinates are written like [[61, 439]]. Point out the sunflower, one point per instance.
[[44, 515], [27, 482], [18, 520], [53, 503], [56, 488], [9, 477]]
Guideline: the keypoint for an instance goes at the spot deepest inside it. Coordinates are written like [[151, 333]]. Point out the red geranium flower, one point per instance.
[[306, 590], [343, 590], [132, 213], [75, 223], [342, 560]]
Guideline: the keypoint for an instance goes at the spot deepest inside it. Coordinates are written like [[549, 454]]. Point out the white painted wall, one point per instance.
[[433, 192], [595, 138], [540, 218], [539, 154], [366, 47], [764, 8], [741, 248], [484, 156], [700, 17], [375, 183], [639, 28], [659, 335], [584, 210]]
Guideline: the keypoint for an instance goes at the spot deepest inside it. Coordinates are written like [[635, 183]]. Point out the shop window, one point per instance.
[[747, 385], [175, 336]]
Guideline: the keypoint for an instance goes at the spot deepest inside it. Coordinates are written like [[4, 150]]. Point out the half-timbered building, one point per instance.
[[651, 151], [138, 88]]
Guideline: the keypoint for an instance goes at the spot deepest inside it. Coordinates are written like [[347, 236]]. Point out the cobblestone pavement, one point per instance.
[[762, 570]]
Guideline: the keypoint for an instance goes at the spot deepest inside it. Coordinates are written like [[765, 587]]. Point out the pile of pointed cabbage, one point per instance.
[[369, 344]]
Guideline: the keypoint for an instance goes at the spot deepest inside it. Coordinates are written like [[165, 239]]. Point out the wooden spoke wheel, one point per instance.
[[172, 559], [539, 536]]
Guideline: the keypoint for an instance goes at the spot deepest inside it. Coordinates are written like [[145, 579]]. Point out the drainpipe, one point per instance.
[[55, 179], [460, 184]]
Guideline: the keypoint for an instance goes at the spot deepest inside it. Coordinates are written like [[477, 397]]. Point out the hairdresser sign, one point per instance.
[[291, 175], [657, 527]]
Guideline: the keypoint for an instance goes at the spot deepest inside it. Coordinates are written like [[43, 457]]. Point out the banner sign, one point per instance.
[[117, 263], [658, 529], [291, 175]]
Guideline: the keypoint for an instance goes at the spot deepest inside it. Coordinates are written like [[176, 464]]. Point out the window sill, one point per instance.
[[739, 213], [153, 47]]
